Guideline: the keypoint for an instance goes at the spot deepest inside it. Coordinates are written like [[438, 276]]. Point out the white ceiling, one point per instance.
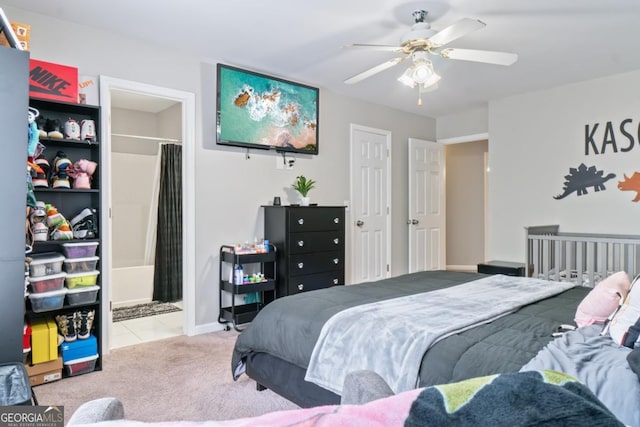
[[557, 41]]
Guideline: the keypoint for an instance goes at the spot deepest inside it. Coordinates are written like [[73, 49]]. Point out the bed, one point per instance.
[[275, 350], [276, 347]]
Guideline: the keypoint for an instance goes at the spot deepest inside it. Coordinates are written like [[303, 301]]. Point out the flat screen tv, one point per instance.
[[258, 111]]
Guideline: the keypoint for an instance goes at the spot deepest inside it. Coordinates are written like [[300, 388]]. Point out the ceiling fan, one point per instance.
[[421, 42]]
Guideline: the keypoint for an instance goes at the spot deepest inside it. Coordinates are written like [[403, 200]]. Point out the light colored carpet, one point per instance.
[[180, 378]]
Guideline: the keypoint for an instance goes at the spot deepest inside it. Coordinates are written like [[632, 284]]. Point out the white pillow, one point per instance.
[[624, 326]]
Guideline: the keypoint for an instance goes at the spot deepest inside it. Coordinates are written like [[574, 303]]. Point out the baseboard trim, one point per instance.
[[469, 268]]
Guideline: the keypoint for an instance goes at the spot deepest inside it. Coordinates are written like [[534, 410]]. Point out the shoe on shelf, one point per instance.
[[84, 165], [68, 325], [60, 180], [41, 124], [86, 323], [53, 128], [54, 218], [81, 180], [88, 130], [40, 178], [61, 162], [71, 129], [61, 166], [38, 219], [85, 224], [62, 232]]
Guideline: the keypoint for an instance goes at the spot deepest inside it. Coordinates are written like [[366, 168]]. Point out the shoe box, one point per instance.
[[46, 372], [57, 82], [79, 349], [44, 340]]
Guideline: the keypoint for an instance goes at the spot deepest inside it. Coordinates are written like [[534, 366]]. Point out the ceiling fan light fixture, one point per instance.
[[406, 77]]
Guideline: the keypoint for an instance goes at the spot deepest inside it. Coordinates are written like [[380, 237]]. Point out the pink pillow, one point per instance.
[[603, 300]]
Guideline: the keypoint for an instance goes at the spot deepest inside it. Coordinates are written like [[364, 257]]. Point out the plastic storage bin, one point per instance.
[[45, 264], [82, 295], [47, 301], [81, 366], [80, 249], [80, 265], [81, 279], [55, 282]]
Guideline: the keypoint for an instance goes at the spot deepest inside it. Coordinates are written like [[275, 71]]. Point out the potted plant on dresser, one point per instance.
[[302, 185]]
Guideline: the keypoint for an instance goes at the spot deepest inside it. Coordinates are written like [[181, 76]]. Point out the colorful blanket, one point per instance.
[[391, 337], [546, 398]]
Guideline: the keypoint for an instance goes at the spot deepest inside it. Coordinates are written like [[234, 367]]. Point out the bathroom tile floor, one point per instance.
[[144, 329]]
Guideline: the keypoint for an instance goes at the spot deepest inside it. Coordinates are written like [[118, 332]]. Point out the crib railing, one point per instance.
[[581, 258]]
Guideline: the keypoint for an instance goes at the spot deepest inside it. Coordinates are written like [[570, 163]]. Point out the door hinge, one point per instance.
[[110, 305], [387, 268]]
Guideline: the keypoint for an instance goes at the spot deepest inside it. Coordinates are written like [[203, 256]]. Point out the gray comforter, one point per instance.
[[288, 327]]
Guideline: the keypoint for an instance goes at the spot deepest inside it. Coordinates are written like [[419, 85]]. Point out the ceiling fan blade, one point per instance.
[[374, 70], [487, 56], [379, 47], [455, 31]]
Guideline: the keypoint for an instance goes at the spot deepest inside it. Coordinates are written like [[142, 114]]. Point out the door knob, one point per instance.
[[359, 223], [412, 221]]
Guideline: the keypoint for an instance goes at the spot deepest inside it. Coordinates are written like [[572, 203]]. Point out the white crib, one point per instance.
[[581, 258]]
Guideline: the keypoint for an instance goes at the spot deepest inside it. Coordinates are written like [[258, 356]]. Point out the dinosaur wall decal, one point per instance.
[[631, 184], [582, 177]]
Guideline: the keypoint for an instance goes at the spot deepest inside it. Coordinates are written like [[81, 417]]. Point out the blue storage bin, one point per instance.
[[79, 349]]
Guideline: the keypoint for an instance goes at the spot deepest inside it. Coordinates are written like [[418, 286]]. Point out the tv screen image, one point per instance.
[[258, 111]]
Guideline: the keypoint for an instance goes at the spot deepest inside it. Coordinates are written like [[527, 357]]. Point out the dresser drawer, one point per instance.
[[315, 241], [311, 282], [315, 263], [319, 219]]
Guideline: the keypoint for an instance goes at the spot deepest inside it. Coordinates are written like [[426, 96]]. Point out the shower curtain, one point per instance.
[[167, 280]]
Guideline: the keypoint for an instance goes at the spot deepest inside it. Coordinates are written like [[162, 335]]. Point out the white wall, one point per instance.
[[536, 137], [472, 122], [230, 188]]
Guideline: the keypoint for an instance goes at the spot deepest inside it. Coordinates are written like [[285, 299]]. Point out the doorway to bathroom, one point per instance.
[[149, 151]]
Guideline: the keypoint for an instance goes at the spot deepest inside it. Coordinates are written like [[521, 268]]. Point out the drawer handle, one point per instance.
[[335, 281], [301, 243], [336, 220], [301, 265], [336, 241], [300, 287], [336, 261], [301, 221]]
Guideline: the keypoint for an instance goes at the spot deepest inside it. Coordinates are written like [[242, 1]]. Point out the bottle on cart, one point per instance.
[[238, 275]]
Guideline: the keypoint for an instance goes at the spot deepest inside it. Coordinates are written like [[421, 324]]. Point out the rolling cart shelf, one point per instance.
[[232, 314], [239, 314], [247, 288]]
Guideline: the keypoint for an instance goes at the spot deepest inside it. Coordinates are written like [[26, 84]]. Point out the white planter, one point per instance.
[[304, 201]]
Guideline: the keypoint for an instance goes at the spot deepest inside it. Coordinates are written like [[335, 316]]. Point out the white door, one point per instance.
[[426, 220], [370, 203]]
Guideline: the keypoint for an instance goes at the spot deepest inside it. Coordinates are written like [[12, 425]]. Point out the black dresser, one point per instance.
[[310, 246]]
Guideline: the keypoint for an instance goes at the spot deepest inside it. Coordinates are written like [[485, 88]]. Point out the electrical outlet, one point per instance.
[[285, 163]]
